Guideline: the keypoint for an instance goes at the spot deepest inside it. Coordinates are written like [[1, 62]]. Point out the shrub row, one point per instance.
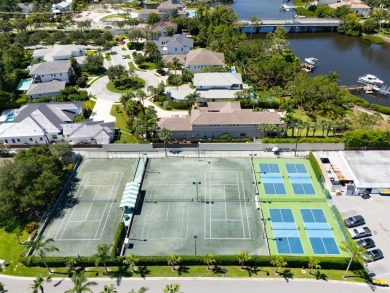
[[341, 224], [367, 138], [380, 108], [221, 140], [302, 139], [316, 167], [118, 239], [179, 105], [335, 263], [248, 104], [358, 101]]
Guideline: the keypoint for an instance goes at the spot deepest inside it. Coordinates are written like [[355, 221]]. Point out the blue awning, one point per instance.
[[130, 194]]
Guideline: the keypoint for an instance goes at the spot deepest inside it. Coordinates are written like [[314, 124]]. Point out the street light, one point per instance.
[[197, 192], [195, 237], [296, 141]]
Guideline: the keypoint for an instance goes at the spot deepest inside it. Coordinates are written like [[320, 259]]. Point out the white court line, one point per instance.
[[182, 222], [112, 204], [145, 221], [98, 185], [224, 195], [210, 200], [239, 197], [227, 238], [167, 216], [91, 204], [205, 206], [188, 220], [223, 184], [78, 239], [73, 209], [91, 221], [235, 220], [150, 221], [246, 208]]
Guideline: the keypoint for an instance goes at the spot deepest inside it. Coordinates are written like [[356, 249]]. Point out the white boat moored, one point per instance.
[[370, 79], [312, 61]]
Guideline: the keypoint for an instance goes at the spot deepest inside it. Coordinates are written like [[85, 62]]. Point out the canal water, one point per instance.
[[350, 57]]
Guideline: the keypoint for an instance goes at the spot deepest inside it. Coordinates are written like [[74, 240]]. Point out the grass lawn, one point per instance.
[[90, 52], [113, 16], [108, 57], [132, 66], [111, 87], [148, 66], [121, 123]]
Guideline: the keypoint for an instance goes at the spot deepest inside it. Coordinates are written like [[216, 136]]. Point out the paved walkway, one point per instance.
[[196, 285]]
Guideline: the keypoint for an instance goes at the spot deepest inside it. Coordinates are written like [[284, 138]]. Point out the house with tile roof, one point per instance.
[[175, 45], [161, 29], [356, 6], [198, 59], [45, 90], [49, 71], [165, 10], [44, 123], [213, 119]]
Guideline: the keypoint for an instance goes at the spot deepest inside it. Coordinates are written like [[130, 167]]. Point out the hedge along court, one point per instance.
[[297, 218], [191, 207], [90, 213]]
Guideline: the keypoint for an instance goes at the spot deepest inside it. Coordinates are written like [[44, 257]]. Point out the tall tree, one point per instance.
[[40, 247], [132, 261], [81, 283], [38, 284], [254, 22], [355, 251], [173, 260], [165, 135], [278, 262], [102, 255], [141, 95], [209, 259], [175, 64], [151, 51], [314, 263]]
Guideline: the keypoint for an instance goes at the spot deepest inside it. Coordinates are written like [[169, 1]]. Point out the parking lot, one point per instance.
[[376, 212]]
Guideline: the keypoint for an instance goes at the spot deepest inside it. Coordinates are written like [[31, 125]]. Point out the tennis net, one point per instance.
[[326, 229], [97, 201], [298, 176], [158, 199]]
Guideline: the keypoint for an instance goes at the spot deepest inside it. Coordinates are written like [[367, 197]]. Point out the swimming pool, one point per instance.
[[191, 14], [24, 84]]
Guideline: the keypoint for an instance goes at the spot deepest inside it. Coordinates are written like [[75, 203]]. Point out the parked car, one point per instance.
[[360, 232], [123, 57], [366, 243], [373, 255], [354, 221]]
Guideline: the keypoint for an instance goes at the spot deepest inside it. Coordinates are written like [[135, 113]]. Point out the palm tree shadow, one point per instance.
[[252, 271], [218, 270], [182, 270], [321, 276], [121, 272], [142, 271], [286, 274]]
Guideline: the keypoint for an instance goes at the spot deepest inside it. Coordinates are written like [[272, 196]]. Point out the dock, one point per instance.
[[368, 89], [308, 67], [383, 90]]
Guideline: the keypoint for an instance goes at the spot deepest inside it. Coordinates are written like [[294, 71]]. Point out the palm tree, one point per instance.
[[172, 288], [243, 256], [314, 263], [209, 259], [40, 247], [141, 95], [103, 253], [355, 251], [193, 97], [109, 289], [278, 262], [173, 260], [81, 283], [38, 284], [2, 288], [131, 260], [314, 127], [165, 135], [127, 97], [151, 50], [175, 64]]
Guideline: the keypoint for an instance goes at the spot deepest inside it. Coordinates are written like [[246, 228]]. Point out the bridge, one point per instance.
[[292, 25]]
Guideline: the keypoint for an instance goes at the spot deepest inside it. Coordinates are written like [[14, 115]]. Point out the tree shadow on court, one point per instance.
[[321, 276], [183, 270], [142, 271], [286, 274], [66, 202]]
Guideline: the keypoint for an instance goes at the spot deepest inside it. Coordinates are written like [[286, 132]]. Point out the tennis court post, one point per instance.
[[197, 192]]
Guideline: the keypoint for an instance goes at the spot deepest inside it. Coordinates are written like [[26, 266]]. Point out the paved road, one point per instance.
[[190, 285]]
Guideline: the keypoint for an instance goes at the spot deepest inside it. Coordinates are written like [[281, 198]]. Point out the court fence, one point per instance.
[[290, 199], [340, 223]]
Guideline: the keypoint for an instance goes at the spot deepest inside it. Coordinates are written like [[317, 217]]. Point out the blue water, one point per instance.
[[24, 84], [10, 117], [191, 14]]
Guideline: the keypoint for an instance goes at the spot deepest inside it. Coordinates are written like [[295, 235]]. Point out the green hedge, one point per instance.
[[316, 167], [220, 140], [118, 239], [358, 101], [340, 221], [380, 108], [367, 138], [335, 263], [302, 139], [179, 105]]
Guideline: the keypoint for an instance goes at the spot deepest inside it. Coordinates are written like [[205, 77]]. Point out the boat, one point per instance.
[[370, 79], [312, 61]]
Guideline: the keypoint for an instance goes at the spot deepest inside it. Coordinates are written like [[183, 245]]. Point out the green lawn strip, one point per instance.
[[10, 249], [90, 52], [111, 87], [148, 66], [121, 123], [113, 16], [132, 66], [157, 105]]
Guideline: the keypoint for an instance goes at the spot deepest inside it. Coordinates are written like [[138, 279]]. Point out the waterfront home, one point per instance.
[[213, 119], [218, 80], [49, 71], [62, 6], [356, 6], [175, 45], [165, 11], [201, 58], [44, 123]]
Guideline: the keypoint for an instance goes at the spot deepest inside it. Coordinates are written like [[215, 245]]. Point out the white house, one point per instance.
[[44, 123], [48, 71], [45, 90], [61, 52], [218, 80], [213, 119], [62, 6], [201, 58], [356, 6], [175, 45]]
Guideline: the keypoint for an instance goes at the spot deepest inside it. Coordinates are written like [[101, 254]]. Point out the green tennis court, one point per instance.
[[90, 214], [193, 207]]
